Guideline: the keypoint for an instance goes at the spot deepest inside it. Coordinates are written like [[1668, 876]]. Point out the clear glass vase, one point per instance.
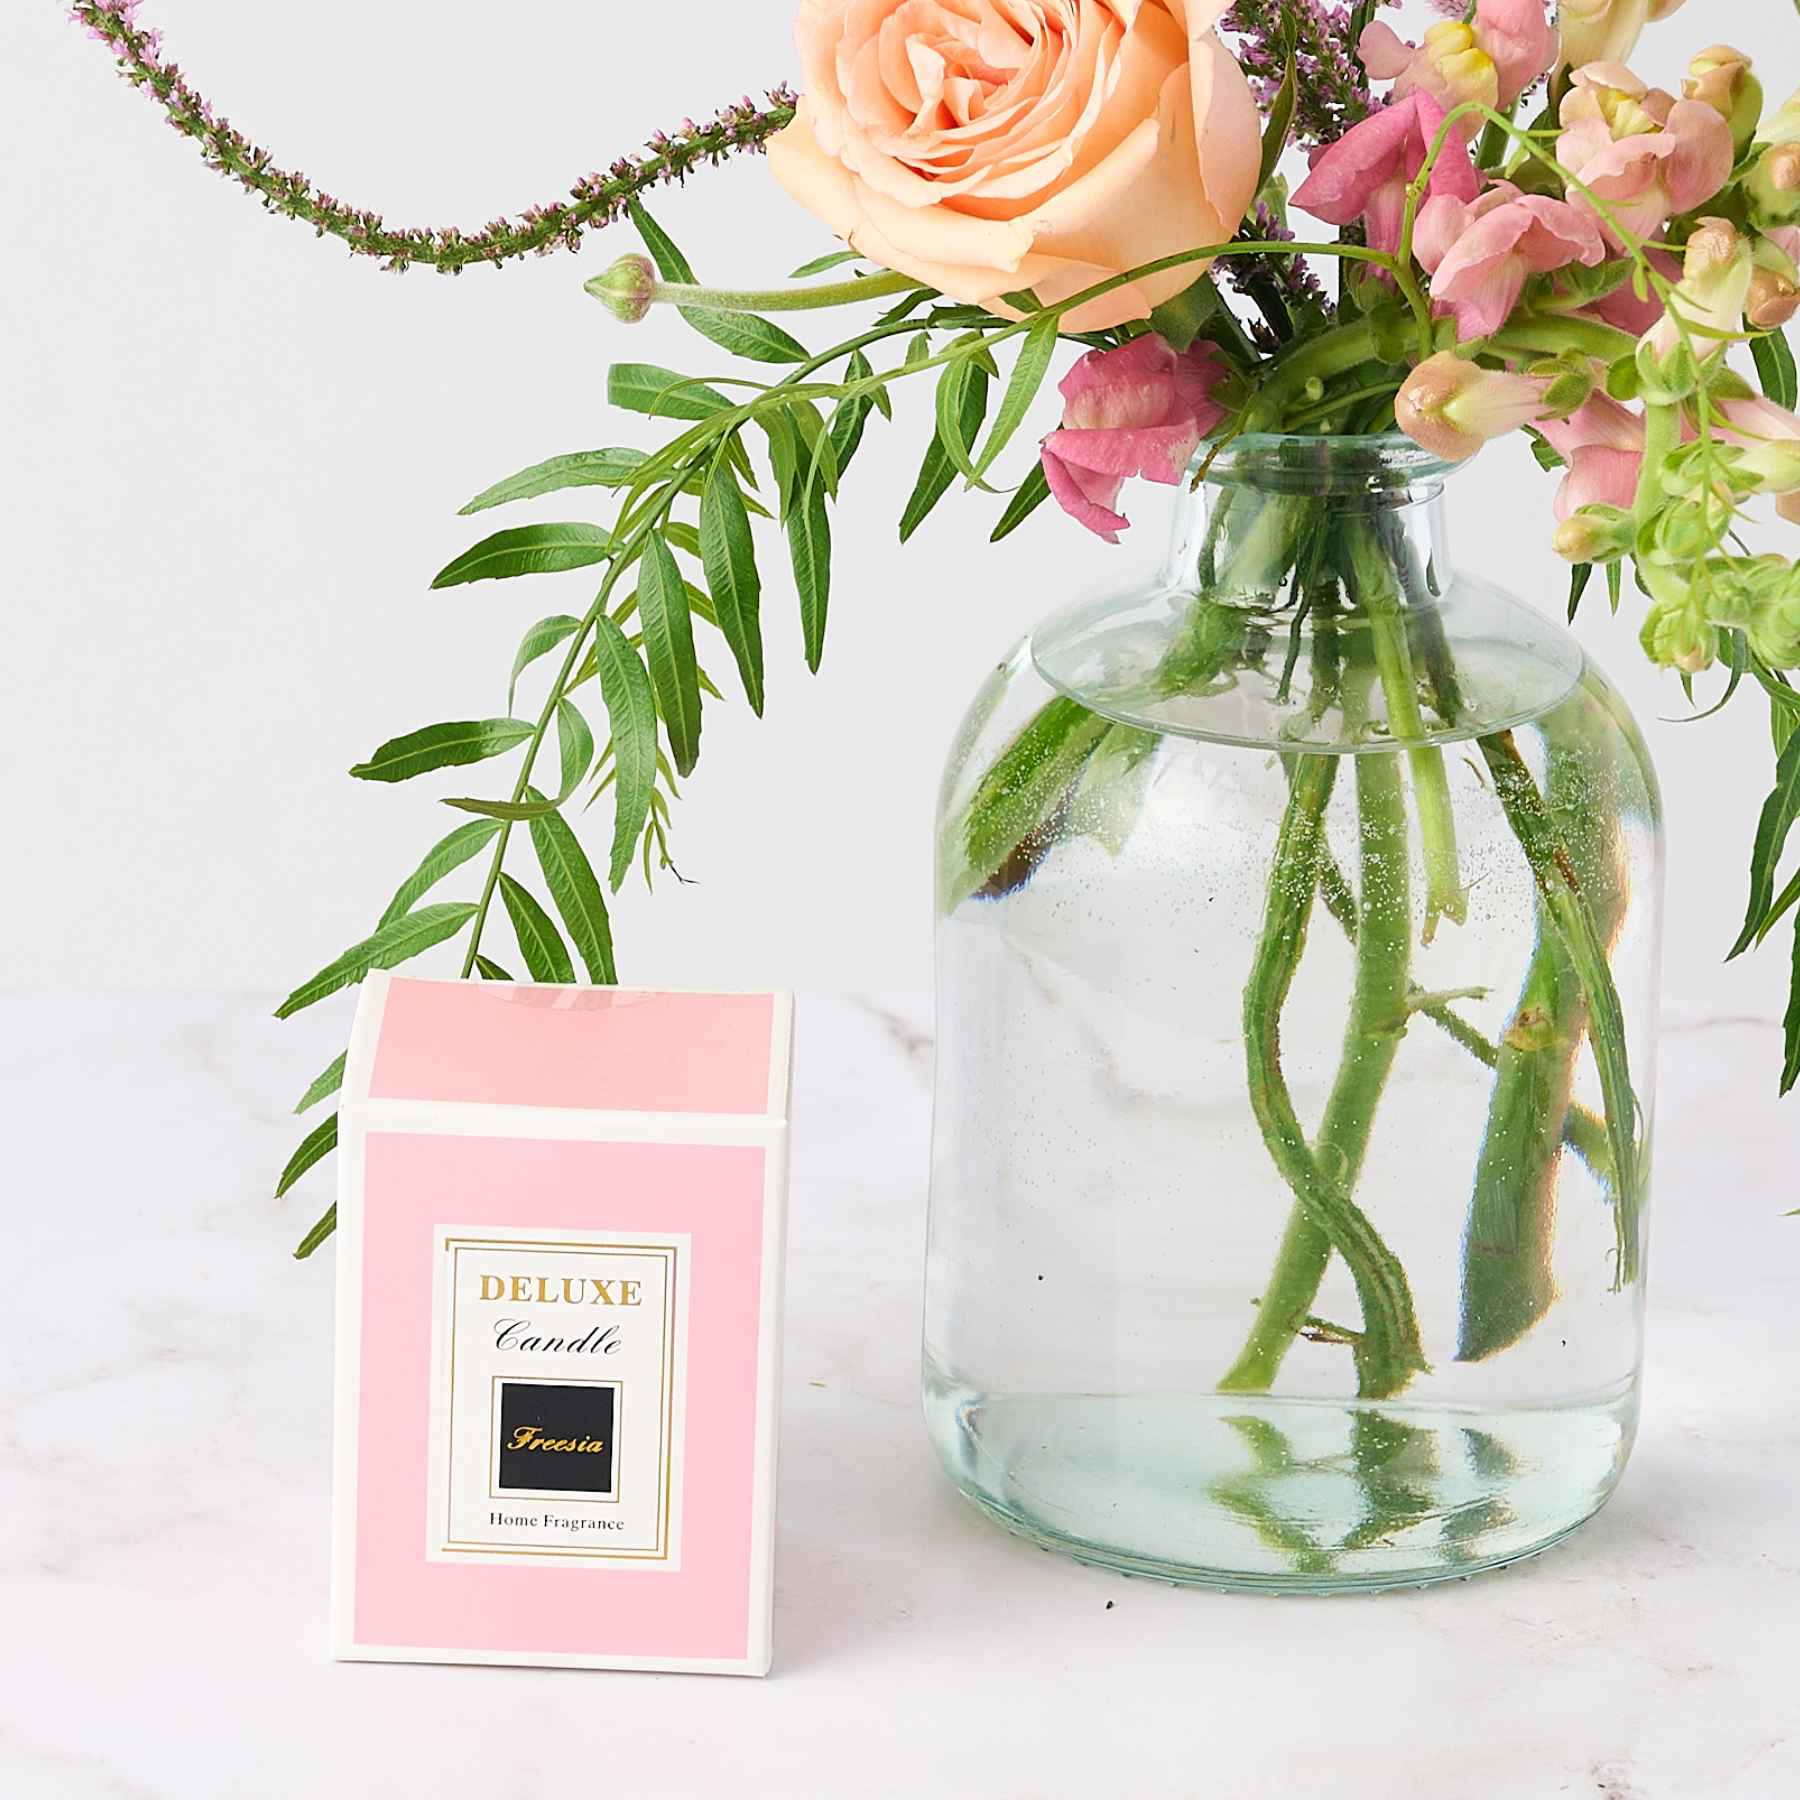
[[1297, 984]]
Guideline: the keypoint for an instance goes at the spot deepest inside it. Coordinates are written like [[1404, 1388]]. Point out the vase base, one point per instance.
[[1277, 1496]]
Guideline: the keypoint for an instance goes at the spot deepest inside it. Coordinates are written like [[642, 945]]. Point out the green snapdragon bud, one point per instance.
[[1775, 632], [1678, 635], [1595, 533], [626, 289]]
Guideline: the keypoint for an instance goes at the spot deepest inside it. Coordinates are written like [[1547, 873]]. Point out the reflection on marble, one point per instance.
[[164, 1466]]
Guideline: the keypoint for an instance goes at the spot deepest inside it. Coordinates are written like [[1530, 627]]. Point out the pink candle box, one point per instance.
[[561, 1218]]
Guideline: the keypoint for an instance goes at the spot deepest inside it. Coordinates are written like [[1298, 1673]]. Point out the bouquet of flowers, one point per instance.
[[1228, 221]]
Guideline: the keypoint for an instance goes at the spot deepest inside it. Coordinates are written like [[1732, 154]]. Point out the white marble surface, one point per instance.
[[164, 1420]]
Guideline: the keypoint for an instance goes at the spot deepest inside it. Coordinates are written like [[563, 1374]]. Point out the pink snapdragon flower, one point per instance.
[[1644, 153], [1491, 60], [1452, 407], [1603, 444], [1365, 174], [1481, 255], [1140, 409]]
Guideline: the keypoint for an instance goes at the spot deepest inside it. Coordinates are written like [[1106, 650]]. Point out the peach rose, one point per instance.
[[987, 146]]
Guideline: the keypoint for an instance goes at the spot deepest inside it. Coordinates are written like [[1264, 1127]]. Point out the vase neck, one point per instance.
[[1268, 514], [1311, 604]]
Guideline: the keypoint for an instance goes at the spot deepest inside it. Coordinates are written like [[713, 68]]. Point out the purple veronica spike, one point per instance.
[[594, 201]]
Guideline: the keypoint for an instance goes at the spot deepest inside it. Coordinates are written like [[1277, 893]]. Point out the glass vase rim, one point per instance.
[[1323, 463]]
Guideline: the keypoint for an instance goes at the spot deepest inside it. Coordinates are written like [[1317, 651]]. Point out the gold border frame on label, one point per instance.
[[454, 1246]]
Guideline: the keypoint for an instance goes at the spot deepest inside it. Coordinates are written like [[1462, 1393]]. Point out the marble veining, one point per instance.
[[164, 1471]]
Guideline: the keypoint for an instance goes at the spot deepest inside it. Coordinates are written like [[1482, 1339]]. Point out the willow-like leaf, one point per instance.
[[1281, 117], [669, 649], [746, 334], [728, 554], [939, 469], [631, 715], [950, 407], [1021, 389], [317, 1144], [819, 264], [671, 263], [326, 1083], [539, 641], [645, 388], [441, 747], [809, 550], [398, 941], [570, 878], [1772, 829], [322, 1229], [446, 854], [1774, 358], [1030, 494], [490, 970], [1790, 1064], [575, 745], [851, 414], [579, 468], [527, 550], [509, 811], [540, 943]]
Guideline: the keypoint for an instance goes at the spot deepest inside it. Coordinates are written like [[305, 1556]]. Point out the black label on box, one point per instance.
[[558, 1436]]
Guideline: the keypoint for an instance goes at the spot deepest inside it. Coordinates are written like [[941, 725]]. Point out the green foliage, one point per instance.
[[389, 945], [326, 1083], [1774, 358], [631, 715], [526, 550], [644, 388], [442, 747], [581, 468], [728, 554], [318, 1143], [575, 743], [326, 1225], [809, 552], [669, 650], [579, 902], [1779, 812], [940, 465], [1031, 493], [446, 854], [539, 641], [540, 943]]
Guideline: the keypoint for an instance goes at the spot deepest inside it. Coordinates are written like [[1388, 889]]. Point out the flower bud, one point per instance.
[[1774, 298], [1722, 79], [1773, 186], [1677, 635], [1775, 631], [1709, 299], [1453, 407], [627, 289], [1594, 534]]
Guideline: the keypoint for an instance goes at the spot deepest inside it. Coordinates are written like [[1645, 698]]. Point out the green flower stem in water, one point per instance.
[[1388, 1352], [1377, 591], [1569, 912], [1377, 1022]]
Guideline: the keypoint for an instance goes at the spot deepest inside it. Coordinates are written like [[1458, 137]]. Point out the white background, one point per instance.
[[233, 458]]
